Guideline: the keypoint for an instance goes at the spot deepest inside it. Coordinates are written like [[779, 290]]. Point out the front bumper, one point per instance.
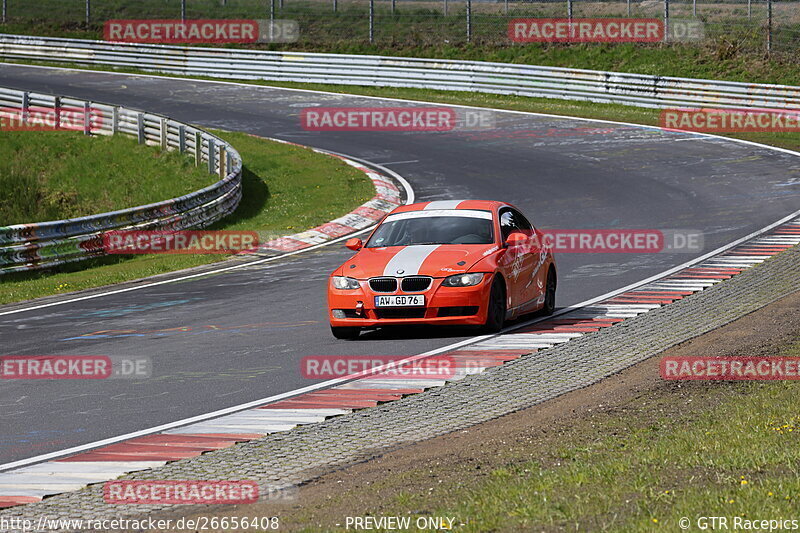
[[443, 306]]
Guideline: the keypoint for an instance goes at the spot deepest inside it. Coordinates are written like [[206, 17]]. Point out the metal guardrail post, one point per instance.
[[371, 21], [749, 9], [140, 128], [335, 6], [271, 19], [629, 8], [506, 6], [114, 120], [26, 99], [57, 112], [87, 118], [393, 6], [5, 11], [88, 11], [211, 159], [666, 20], [469, 20], [163, 133], [569, 9], [694, 8], [445, 8], [222, 161], [198, 148], [769, 26], [183, 10], [182, 138]]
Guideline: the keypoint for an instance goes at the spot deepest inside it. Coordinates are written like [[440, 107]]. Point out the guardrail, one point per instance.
[[474, 76], [32, 246]]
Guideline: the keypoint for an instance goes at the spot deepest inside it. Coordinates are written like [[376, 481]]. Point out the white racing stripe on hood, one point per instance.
[[409, 260]]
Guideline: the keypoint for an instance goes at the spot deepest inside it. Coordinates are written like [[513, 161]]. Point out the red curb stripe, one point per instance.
[[701, 276], [370, 213], [286, 244], [380, 391], [320, 404], [125, 447], [334, 229], [11, 501], [334, 395], [166, 439], [94, 456]]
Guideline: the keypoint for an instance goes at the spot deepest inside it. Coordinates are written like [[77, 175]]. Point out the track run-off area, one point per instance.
[[223, 340]]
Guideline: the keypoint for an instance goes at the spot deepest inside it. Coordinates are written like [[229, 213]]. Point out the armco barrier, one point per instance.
[[31, 246], [474, 76]]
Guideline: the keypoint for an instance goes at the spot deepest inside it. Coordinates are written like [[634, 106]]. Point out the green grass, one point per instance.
[[56, 175], [634, 471], [286, 189]]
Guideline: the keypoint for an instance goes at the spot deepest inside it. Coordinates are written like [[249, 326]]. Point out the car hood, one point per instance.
[[437, 260]]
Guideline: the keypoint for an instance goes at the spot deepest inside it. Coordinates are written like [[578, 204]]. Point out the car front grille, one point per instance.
[[383, 284], [458, 311], [416, 283], [400, 312]]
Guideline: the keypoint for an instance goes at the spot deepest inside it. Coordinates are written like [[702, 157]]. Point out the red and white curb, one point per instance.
[[32, 483], [387, 197]]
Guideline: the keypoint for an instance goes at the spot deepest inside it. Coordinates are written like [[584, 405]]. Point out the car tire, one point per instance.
[[345, 333], [496, 308], [549, 293]]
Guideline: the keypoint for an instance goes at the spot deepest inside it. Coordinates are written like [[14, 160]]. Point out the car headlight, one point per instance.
[[341, 282], [463, 280]]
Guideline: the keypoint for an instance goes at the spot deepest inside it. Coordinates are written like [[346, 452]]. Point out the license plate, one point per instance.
[[416, 300]]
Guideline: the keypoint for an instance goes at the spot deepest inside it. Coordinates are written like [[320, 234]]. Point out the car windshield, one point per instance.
[[432, 230]]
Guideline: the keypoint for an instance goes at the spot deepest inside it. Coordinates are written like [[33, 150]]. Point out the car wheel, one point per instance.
[[345, 333], [496, 311], [549, 294]]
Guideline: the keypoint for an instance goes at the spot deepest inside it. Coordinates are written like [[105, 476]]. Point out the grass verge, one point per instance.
[[286, 189], [53, 175]]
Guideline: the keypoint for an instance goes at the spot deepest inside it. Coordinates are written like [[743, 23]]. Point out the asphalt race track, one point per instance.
[[223, 340]]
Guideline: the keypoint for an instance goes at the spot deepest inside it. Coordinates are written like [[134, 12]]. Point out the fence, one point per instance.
[[32, 246], [751, 24], [380, 71]]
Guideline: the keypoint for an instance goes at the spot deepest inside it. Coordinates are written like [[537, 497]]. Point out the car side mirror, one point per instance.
[[354, 244], [516, 238]]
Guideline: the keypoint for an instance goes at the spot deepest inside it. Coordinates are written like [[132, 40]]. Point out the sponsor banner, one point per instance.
[[617, 241], [405, 119], [730, 368], [377, 367], [201, 31], [180, 492], [731, 120], [179, 242], [35, 118], [603, 30], [75, 367]]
